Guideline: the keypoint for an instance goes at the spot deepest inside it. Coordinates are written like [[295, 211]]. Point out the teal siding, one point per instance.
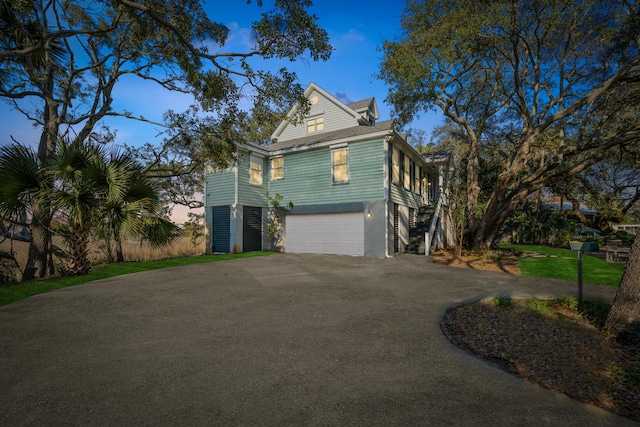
[[404, 197], [307, 176], [220, 188], [250, 194]]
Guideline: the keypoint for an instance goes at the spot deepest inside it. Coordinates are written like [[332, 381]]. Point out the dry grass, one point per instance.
[[132, 251], [142, 251]]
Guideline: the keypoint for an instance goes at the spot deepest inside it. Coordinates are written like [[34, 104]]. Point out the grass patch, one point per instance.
[[563, 264], [540, 306], [544, 250], [592, 312], [502, 301], [15, 292]]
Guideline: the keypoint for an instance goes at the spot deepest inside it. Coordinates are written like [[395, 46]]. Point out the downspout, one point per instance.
[[234, 211], [235, 182], [205, 216], [387, 142]]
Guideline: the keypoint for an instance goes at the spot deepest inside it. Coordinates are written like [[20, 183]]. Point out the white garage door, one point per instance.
[[339, 233]]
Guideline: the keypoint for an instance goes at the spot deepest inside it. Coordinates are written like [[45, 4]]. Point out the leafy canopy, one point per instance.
[[542, 89]]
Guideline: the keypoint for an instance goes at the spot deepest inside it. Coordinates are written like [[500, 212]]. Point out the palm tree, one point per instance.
[[97, 193], [24, 194], [80, 185], [106, 194], [132, 207]]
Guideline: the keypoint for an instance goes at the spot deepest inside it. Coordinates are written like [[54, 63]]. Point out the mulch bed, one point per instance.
[[498, 261], [557, 349]]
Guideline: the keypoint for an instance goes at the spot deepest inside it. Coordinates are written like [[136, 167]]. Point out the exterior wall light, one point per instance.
[[369, 214]]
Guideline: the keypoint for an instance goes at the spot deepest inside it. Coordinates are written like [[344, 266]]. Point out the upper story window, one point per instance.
[[340, 165], [431, 188], [255, 170], [315, 125], [416, 179], [407, 172], [395, 165], [277, 168]]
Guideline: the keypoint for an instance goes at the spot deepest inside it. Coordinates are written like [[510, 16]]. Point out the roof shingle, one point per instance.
[[317, 138]]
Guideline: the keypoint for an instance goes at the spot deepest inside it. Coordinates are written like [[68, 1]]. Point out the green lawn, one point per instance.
[[16, 292], [563, 264]]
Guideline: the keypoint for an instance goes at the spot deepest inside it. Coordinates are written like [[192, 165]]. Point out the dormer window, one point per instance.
[[315, 125]]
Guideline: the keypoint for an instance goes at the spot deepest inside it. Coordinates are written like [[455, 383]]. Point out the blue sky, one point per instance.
[[356, 31]]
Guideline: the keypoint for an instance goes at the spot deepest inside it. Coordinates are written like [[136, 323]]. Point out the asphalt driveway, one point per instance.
[[270, 341]]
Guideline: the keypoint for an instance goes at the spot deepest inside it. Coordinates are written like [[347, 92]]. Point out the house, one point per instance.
[[357, 187]]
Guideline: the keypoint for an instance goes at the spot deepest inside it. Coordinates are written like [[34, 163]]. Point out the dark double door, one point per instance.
[[251, 229]]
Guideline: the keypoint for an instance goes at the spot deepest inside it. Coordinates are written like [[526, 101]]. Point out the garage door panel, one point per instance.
[[340, 233]]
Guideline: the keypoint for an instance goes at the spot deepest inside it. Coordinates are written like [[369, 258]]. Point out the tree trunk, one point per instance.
[[40, 258], [79, 264], [119, 254], [623, 321], [36, 265], [495, 216], [473, 189]]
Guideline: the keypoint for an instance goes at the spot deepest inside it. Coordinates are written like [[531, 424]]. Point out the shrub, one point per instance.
[[562, 239], [502, 301], [9, 268]]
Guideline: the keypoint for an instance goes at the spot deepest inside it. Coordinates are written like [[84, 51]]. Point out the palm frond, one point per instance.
[[160, 232], [21, 179]]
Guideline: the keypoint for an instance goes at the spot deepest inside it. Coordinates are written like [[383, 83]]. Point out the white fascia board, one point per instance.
[[376, 113], [253, 149], [333, 142]]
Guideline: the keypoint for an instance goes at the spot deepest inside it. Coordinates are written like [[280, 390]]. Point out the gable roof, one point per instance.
[[355, 131], [360, 105], [368, 104], [341, 105]]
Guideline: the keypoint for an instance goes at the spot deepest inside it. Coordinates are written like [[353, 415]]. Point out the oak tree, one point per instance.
[[548, 87], [623, 321]]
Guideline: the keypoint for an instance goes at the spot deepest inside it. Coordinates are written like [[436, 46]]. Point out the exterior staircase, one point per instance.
[[416, 243]]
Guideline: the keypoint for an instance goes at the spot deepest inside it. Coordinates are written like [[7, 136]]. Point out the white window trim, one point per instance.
[[333, 150], [314, 120], [272, 169], [259, 161], [406, 181], [395, 166]]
